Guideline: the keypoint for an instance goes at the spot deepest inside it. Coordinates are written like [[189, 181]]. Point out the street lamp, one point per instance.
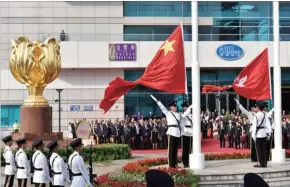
[[59, 111]]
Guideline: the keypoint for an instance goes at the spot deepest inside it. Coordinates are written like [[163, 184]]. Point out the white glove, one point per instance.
[[154, 98], [238, 103], [268, 136], [190, 107]]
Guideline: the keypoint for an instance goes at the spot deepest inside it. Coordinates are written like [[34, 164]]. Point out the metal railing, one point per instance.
[[151, 37]]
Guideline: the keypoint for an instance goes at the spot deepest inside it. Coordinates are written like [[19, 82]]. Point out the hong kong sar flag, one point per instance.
[[253, 82]]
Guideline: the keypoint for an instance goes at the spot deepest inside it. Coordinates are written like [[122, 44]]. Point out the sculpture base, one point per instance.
[[36, 122]]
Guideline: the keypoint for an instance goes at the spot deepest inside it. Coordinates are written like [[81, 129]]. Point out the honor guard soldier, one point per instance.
[[261, 131], [40, 165], [10, 167], [272, 123], [59, 172], [23, 167], [186, 137], [174, 132], [78, 170], [251, 116]]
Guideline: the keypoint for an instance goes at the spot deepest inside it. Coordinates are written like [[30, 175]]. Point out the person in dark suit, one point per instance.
[[99, 132], [73, 128], [162, 133], [204, 128], [105, 131], [238, 133], [230, 133], [222, 134], [285, 135]]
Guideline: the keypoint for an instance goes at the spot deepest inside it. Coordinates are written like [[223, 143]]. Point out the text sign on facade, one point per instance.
[[75, 108], [122, 52], [88, 107]]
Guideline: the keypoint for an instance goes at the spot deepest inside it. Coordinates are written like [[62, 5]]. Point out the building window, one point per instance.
[[152, 32], [157, 8], [9, 113]]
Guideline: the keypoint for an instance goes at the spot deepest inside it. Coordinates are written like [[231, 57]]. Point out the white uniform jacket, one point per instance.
[[59, 170], [23, 165], [77, 167], [187, 121], [10, 165], [260, 127], [175, 128], [40, 164]]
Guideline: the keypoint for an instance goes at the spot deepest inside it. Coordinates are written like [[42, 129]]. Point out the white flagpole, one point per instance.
[[278, 154], [196, 160]]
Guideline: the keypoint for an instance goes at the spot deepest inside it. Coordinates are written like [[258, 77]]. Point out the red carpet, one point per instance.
[[208, 146]]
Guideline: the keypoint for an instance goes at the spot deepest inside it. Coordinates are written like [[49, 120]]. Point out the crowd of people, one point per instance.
[[150, 132]]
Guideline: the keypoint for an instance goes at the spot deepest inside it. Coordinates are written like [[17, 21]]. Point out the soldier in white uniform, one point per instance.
[[186, 137], [10, 166], [78, 170], [261, 131], [40, 165], [251, 115], [174, 132], [60, 177], [23, 167]]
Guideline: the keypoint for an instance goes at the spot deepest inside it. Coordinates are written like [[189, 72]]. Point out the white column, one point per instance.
[[278, 154], [196, 160]]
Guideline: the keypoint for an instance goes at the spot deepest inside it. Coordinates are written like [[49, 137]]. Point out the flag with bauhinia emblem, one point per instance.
[[253, 82], [166, 72]]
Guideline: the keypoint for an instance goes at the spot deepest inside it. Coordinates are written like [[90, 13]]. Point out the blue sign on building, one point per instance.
[[230, 52], [88, 107], [75, 108]]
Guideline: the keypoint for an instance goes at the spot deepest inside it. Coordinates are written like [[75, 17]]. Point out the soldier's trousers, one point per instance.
[[22, 182], [39, 185], [9, 180], [253, 151], [261, 151], [186, 149], [173, 143]]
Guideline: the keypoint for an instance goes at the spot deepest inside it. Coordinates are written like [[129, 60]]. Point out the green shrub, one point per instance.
[[100, 153]]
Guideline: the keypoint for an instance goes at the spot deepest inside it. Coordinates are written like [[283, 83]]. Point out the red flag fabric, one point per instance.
[[166, 72], [253, 82], [212, 88]]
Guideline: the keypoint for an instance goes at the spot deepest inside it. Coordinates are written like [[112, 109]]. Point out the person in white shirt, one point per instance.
[[40, 165], [78, 171], [174, 132], [10, 166], [59, 172], [251, 115], [261, 131], [186, 137], [23, 167], [270, 143]]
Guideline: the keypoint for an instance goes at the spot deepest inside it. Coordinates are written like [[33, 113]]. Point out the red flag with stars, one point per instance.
[[166, 72]]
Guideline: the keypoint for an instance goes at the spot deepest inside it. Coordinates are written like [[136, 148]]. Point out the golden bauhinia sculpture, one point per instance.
[[35, 64]]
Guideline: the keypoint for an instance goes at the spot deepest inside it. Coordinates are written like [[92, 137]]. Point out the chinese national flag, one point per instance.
[[253, 82], [166, 72]]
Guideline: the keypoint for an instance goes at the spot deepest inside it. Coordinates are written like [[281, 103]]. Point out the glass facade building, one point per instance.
[[9, 113], [232, 21]]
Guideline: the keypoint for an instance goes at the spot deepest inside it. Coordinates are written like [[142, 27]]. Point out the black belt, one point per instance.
[[173, 126], [18, 167], [7, 164], [260, 128], [38, 169], [189, 126], [76, 174], [56, 173]]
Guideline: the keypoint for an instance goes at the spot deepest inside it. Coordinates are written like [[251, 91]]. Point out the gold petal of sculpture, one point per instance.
[[35, 64]]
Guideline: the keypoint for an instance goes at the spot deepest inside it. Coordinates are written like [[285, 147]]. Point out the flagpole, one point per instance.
[[278, 154], [196, 160]]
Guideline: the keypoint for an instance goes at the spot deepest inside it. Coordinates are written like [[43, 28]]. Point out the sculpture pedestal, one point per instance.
[[37, 122]]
